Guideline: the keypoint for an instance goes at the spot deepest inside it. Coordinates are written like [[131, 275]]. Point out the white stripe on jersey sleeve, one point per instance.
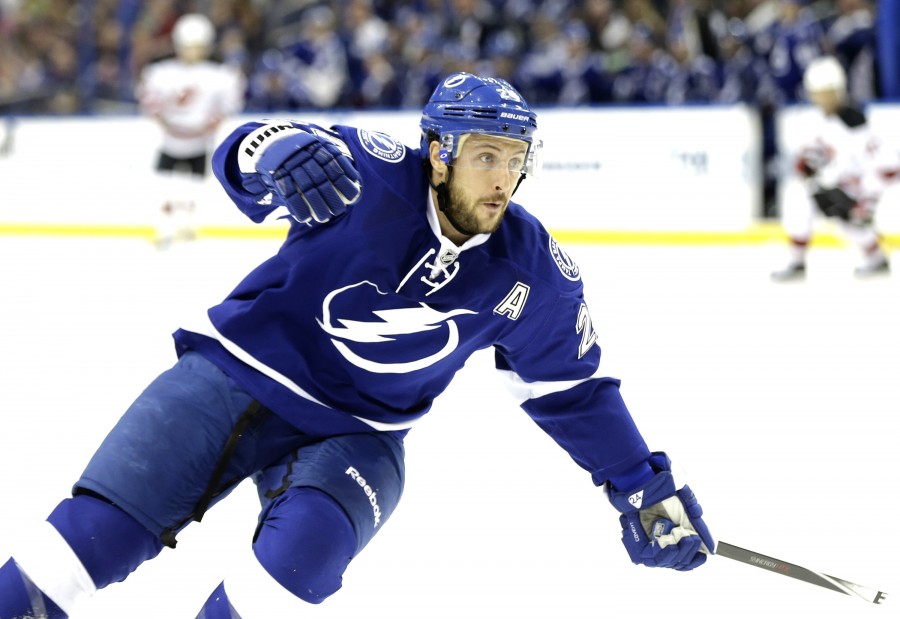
[[523, 391]]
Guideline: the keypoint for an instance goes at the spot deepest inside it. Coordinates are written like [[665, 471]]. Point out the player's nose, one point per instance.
[[502, 179]]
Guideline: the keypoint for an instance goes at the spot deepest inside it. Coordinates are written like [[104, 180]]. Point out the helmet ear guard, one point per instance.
[[447, 152]]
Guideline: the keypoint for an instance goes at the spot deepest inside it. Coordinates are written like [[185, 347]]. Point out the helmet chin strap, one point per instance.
[[521, 178]]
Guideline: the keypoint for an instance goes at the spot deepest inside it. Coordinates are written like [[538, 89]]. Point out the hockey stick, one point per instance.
[[784, 568]]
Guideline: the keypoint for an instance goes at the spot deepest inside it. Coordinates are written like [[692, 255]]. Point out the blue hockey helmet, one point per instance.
[[464, 103]]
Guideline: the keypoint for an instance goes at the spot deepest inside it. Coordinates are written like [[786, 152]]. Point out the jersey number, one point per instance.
[[584, 327]]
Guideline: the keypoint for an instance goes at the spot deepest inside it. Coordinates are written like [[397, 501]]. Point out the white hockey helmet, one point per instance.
[[193, 29], [825, 73]]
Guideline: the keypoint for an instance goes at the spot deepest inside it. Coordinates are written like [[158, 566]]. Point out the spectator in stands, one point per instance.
[[242, 39], [744, 75], [584, 77], [61, 78], [316, 60], [789, 45], [501, 55], [374, 80], [151, 34], [542, 64], [643, 13], [419, 51], [268, 89], [647, 77], [850, 37], [694, 79], [694, 27], [469, 22], [325, 59], [609, 30]]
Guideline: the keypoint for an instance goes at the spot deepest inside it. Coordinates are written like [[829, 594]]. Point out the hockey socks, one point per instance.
[[43, 578], [84, 545], [109, 543], [218, 606], [20, 597]]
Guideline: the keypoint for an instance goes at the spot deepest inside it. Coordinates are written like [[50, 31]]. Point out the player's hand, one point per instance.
[[810, 160], [662, 524], [307, 174], [804, 167]]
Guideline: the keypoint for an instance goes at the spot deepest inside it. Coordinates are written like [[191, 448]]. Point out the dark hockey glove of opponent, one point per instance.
[[834, 202], [662, 524], [307, 174]]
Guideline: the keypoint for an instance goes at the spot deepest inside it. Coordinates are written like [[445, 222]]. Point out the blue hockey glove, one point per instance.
[[661, 523], [309, 175]]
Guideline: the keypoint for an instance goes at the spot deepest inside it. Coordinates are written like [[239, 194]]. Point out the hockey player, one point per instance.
[[188, 96], [844, 168], [400, 263]]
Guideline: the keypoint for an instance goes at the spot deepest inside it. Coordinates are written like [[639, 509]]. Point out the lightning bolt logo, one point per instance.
[[391, 323]]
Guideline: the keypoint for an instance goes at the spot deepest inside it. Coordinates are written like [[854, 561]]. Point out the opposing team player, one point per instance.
[[399, 264], [188, 96], [845, 169]]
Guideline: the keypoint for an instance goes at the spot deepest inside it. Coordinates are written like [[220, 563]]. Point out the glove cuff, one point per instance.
[[660, 487], [635, 477], [255, 144]]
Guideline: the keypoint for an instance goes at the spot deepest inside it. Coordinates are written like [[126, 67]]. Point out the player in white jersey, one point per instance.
[[188, 96], [399, 264], [845, 168]]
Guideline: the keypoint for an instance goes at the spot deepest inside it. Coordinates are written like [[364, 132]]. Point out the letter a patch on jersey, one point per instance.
[[514, 303]]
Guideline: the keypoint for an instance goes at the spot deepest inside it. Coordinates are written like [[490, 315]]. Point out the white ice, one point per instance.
[[778, 401]]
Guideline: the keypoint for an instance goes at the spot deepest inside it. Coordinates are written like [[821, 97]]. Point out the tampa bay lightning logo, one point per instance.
[[373, 331], [381, 145], [455, 81], [565, 264]]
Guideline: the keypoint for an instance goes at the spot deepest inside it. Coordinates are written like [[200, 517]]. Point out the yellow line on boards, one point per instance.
[[757, 234], [42, 229], [134, 231]]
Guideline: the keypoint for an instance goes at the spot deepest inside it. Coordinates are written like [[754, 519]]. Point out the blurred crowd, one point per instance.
[[62, 57]]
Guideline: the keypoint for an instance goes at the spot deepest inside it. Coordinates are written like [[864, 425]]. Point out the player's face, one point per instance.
[[193, 53], [829, 101], [485, 174]]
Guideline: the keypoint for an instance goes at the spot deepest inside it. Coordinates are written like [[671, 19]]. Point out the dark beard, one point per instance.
[[464, 221]]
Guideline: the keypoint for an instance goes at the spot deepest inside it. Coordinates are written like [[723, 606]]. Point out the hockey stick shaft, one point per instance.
[[784, 568]]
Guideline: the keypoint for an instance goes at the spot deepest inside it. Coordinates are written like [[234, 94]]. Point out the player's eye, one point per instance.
[[487, 160]]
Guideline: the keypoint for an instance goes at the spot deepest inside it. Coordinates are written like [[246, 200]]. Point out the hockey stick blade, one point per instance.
[[784, 568]]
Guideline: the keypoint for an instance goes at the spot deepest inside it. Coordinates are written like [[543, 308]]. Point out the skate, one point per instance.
[[881, 267], [795, 271]]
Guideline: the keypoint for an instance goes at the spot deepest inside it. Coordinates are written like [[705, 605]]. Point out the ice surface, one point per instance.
[[778, 401]]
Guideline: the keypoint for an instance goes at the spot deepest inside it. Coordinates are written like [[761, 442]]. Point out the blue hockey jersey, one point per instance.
[[360, 323]]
